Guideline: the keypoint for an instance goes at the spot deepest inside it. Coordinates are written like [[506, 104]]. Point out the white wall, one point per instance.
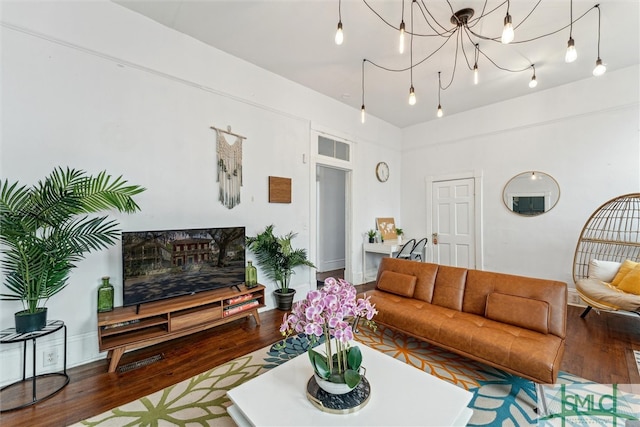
[[584, 134], [92, 85]]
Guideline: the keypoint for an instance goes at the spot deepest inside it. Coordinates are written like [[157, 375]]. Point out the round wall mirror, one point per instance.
[[531, 193]]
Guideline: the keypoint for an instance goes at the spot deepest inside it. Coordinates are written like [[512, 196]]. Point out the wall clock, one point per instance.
[[382, 171]]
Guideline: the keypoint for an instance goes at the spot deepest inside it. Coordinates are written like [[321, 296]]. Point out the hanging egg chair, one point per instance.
[[609, 240]]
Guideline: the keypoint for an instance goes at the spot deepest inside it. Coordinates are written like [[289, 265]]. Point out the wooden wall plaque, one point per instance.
[[279, 190]]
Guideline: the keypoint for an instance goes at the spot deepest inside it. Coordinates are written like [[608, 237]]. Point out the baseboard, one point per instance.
[[573, 298], [81, 349]]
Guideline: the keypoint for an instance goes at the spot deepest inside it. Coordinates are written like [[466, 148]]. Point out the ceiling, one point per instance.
[[295, 39]]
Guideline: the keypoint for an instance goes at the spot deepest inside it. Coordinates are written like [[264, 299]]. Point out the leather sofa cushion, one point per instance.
[[397, 283], [518, 311]]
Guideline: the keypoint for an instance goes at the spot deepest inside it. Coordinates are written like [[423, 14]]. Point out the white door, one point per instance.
[[453, 220]]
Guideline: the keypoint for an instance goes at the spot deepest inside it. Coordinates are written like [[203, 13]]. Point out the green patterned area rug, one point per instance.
[[499, 398]]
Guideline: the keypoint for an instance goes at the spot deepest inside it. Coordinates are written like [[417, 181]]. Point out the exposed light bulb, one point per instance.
[[362, 114], [439, 113], [600, 68], [507, 31], [533, 82], [412, 96], [339, 35], [401, 47], [475, 74], [571, 54]]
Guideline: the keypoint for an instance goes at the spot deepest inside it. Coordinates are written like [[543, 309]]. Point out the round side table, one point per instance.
[[9, 336]]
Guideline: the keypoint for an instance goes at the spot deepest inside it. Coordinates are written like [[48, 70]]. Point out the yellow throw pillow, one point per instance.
[[625, 268], [631, 282]]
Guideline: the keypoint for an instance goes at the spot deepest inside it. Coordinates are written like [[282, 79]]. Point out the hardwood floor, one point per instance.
[[598, 348]]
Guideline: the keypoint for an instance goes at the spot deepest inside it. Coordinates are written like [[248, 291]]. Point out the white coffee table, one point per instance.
[[400, 395]]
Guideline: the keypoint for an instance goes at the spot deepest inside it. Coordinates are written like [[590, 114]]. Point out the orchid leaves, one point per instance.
[[351, 375]]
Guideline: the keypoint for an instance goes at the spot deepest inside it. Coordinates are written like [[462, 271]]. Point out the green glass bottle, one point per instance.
[[105, 295], [251, 275]]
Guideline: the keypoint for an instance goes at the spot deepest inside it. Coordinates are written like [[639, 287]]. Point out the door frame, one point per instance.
[[477, 201], [347, 166]]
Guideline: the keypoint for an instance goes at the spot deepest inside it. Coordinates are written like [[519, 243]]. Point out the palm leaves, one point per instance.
[[45, 230], [276, 256]]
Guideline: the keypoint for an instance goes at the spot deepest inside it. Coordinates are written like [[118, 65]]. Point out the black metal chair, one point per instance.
[[418, 249], [407, 248]]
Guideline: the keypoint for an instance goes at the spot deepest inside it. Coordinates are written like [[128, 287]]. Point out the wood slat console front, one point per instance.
[[125, 329]]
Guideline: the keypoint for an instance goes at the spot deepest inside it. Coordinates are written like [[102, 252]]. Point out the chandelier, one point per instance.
[[469, 42]]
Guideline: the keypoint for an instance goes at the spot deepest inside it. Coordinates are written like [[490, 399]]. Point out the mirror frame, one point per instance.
[[550, 199]]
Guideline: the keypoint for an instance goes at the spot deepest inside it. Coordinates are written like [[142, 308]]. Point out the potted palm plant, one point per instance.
[[278, 259], [45, 230]]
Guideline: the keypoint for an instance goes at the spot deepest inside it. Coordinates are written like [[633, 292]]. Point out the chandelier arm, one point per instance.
[[434, 52], [598, 7], [503, 68], [480, 36], [446, 32], [474, 21], [398, 70], [559, 29], [363, 62], [528, 15], [497, 39], [453, 73], [375, 12], [450, 7], [464, 52]]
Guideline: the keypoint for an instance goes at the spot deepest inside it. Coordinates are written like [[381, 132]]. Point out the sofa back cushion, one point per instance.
[[424, 273], [482, 283], [449, 288], [397, 283], [518, 311]]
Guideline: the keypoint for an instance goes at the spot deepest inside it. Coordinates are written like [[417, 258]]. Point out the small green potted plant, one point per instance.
[[277, 258], [45, 231], [399, 233], [372, 235]]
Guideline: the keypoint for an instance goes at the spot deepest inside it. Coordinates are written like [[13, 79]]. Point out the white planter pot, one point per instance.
[[333, 388]]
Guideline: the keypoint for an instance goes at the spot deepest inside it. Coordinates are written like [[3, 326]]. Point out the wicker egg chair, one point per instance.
[[612, 235]]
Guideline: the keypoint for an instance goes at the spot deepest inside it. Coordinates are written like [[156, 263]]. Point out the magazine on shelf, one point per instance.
[[247, 305], [239, 298]]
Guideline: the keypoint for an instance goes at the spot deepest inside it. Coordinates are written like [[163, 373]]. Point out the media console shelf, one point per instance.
[[127, 328]]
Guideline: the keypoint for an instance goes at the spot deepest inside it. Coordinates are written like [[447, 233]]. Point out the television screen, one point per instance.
[[169, 263]]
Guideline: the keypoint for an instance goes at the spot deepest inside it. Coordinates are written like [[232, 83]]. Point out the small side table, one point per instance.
[[9, 336]]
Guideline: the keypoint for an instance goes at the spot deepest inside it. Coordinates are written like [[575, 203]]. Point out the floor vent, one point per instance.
[[140, 363]]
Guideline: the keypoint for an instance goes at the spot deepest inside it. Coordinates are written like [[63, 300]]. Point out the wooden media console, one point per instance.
[[128, 328]]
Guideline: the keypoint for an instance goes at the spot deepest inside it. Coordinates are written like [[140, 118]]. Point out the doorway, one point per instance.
[[331, 222], [331, 198]]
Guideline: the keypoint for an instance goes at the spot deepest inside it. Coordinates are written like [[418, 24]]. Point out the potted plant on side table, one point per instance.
[[399, 233], [278, 259], [45, 231], [372, 235]]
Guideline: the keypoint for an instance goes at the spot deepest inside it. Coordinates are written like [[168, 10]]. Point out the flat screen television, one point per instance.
[[170, 263]]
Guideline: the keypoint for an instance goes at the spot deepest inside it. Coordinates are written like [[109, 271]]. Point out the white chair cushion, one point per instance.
[[603, 295], [603, 270]]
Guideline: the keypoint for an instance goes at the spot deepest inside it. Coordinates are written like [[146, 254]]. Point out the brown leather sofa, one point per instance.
[[513, 323]]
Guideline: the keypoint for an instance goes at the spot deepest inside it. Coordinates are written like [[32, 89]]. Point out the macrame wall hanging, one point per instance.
[[229, 170]]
